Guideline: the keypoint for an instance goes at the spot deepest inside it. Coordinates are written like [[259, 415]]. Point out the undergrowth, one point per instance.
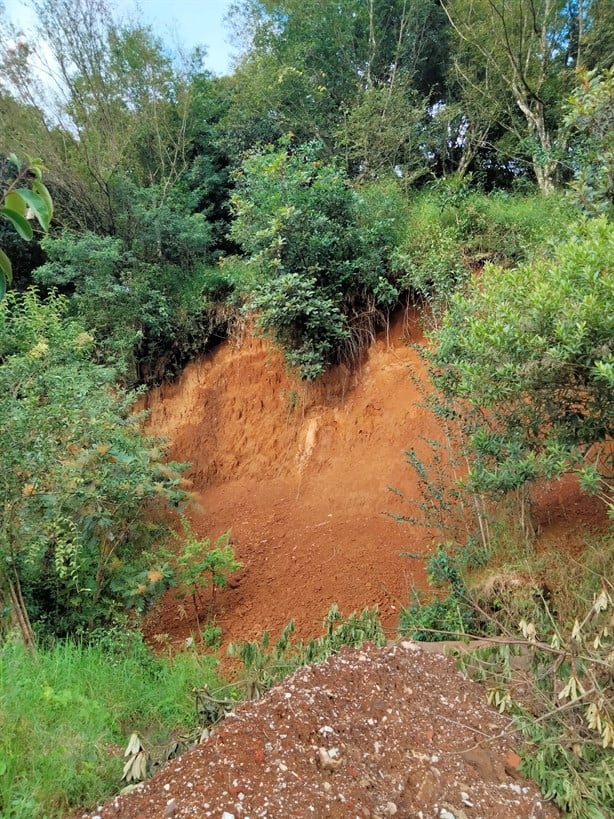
[[265, 664], [66, 713], [548, 660]]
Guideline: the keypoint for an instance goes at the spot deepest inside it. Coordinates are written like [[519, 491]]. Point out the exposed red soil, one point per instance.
[[300, 474]]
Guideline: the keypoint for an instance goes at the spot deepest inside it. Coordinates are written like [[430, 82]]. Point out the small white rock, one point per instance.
[[514, 787], [327, 761]]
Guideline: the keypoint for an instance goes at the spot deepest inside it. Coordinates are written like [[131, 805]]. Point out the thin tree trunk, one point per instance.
[[19, 613]]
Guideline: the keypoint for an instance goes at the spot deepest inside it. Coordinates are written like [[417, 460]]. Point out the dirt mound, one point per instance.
[[377, 732], [300, 474]]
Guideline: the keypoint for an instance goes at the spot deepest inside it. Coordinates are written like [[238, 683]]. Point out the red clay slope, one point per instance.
[[299, 473]]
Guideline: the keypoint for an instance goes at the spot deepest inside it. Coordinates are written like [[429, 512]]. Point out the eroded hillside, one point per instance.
[[300, 474]]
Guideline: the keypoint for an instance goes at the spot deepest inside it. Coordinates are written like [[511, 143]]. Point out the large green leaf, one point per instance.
[[7, 269], [41, 190], [19, 223], [13, 201], [37, 204]]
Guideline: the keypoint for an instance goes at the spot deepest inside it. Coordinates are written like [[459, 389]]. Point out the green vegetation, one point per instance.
[[361, 156], [77, 478], [526, 357], [200, 567], [67, 713], [264, 665], [320, 250], [24, 193]]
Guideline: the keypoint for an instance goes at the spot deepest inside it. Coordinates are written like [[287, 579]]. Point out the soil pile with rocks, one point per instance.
[[396, 731]]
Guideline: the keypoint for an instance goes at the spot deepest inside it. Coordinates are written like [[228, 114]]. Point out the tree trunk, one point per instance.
[[544, 165], [19, 613]]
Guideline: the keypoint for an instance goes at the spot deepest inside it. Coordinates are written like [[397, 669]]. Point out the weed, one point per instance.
[[264, 665]]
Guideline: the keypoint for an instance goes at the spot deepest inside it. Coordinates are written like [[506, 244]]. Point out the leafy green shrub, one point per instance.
[[321, 252], [308, 325], [66, 715], [526, 357], [264, 666], [146, 315], [23, 191], [452, 227], [590, 122], [446, 617], [81, 484]]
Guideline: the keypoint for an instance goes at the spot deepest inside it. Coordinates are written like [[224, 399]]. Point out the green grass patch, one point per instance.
[[66, 715]]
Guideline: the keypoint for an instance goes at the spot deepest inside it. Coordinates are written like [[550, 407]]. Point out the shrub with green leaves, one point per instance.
[[451, 228], [590, 121], [526, 356], [24, 194], [445, 617], [80, 483], [321, 252], [146, 317]]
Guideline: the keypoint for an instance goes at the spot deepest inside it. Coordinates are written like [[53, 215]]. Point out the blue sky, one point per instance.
[[187, 22]]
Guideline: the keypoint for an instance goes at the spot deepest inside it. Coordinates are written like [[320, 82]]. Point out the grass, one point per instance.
[[66, 715], [451, 228]]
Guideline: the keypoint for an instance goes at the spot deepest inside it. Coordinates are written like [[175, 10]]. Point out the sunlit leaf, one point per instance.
[[37, 205], [13, 201], [41, 190], [6, 267]]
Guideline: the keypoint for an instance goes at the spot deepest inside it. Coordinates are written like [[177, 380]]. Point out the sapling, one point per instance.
[[200, 566]]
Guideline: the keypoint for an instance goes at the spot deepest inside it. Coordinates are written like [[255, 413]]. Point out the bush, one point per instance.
[[81, 484], [526, 357], [590, 122], [147, 302], [321, 252], [446, 617], [452, 228]]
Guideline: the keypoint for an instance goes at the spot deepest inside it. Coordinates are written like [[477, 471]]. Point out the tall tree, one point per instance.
[[311, 64], [509, 60], [112, 100]]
